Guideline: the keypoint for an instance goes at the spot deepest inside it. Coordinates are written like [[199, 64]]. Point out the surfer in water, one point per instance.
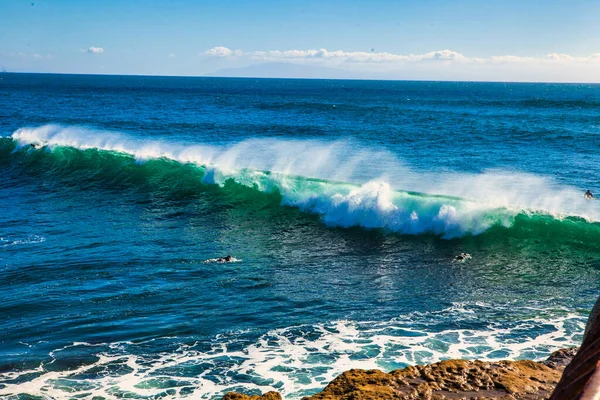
[[225, 259], [462, 257], [588, 195]]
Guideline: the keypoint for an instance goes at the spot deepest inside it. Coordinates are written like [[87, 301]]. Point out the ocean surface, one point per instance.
[[344, 204]]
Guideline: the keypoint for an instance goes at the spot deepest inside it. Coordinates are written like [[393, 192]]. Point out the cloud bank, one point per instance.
[[338, 55], [384, 57], [442, 64]]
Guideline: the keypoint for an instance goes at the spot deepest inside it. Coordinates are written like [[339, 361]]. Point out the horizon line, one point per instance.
[[294, 78]]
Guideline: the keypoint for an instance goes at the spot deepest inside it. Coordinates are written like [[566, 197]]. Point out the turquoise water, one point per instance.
[[343, 202]]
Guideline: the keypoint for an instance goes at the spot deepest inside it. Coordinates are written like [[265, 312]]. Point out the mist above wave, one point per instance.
[[354, 185]]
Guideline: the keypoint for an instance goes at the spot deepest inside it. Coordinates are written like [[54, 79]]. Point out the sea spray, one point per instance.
[[470, 204]]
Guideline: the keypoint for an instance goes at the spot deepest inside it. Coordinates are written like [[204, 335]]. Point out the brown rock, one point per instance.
[[450, 379], [561, 358], [239, 396], [581, 379]]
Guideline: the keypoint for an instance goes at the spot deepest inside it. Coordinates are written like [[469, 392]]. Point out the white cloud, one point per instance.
[[35, 56], [558, 56], [443, 64], [340, 56], [324, 54], [171, 55], [447, 55], [221, 51], [594, 58], [337, 55], [94, 50], [509, 59]]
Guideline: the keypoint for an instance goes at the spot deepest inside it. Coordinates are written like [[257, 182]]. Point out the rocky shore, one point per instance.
[[568, 374], [450, 379]]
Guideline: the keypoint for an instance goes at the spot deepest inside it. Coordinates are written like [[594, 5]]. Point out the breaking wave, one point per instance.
[[344, 183]]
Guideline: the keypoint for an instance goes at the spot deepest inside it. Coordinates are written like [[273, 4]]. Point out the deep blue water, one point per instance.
[[344, 202]]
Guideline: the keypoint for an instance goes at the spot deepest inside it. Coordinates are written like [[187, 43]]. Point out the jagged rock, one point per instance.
[[561, 358], [450, 379], [581, 379], [239, 396], [461, 379]]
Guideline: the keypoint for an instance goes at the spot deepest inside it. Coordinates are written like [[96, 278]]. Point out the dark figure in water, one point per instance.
[[462, 257], [588, 195], [225, 259], [33, 145]]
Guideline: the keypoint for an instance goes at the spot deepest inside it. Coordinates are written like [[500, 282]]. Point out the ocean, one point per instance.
[[343, 203]]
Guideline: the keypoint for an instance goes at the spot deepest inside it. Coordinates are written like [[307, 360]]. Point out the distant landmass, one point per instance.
[[287, 70]]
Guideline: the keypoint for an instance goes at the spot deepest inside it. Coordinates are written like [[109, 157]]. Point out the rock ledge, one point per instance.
[[450, 379]]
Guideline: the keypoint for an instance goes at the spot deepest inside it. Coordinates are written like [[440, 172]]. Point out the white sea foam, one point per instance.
[[222, 260], [12, 241], [371, 199], [296, 360]]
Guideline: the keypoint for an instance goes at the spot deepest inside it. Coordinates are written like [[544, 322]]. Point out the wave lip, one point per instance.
[[311, 175], [376, 205]]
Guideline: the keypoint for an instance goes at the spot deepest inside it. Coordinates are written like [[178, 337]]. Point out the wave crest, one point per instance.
[[348, 185]]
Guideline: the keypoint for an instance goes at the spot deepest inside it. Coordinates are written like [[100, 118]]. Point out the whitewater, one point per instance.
[[295, 361], [343, 203], [310, 175]]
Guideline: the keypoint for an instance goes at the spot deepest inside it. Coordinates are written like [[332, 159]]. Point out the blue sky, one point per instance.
[[427, 39]]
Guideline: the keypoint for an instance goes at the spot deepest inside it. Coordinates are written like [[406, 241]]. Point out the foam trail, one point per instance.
[[296, 360], [371, 199]]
